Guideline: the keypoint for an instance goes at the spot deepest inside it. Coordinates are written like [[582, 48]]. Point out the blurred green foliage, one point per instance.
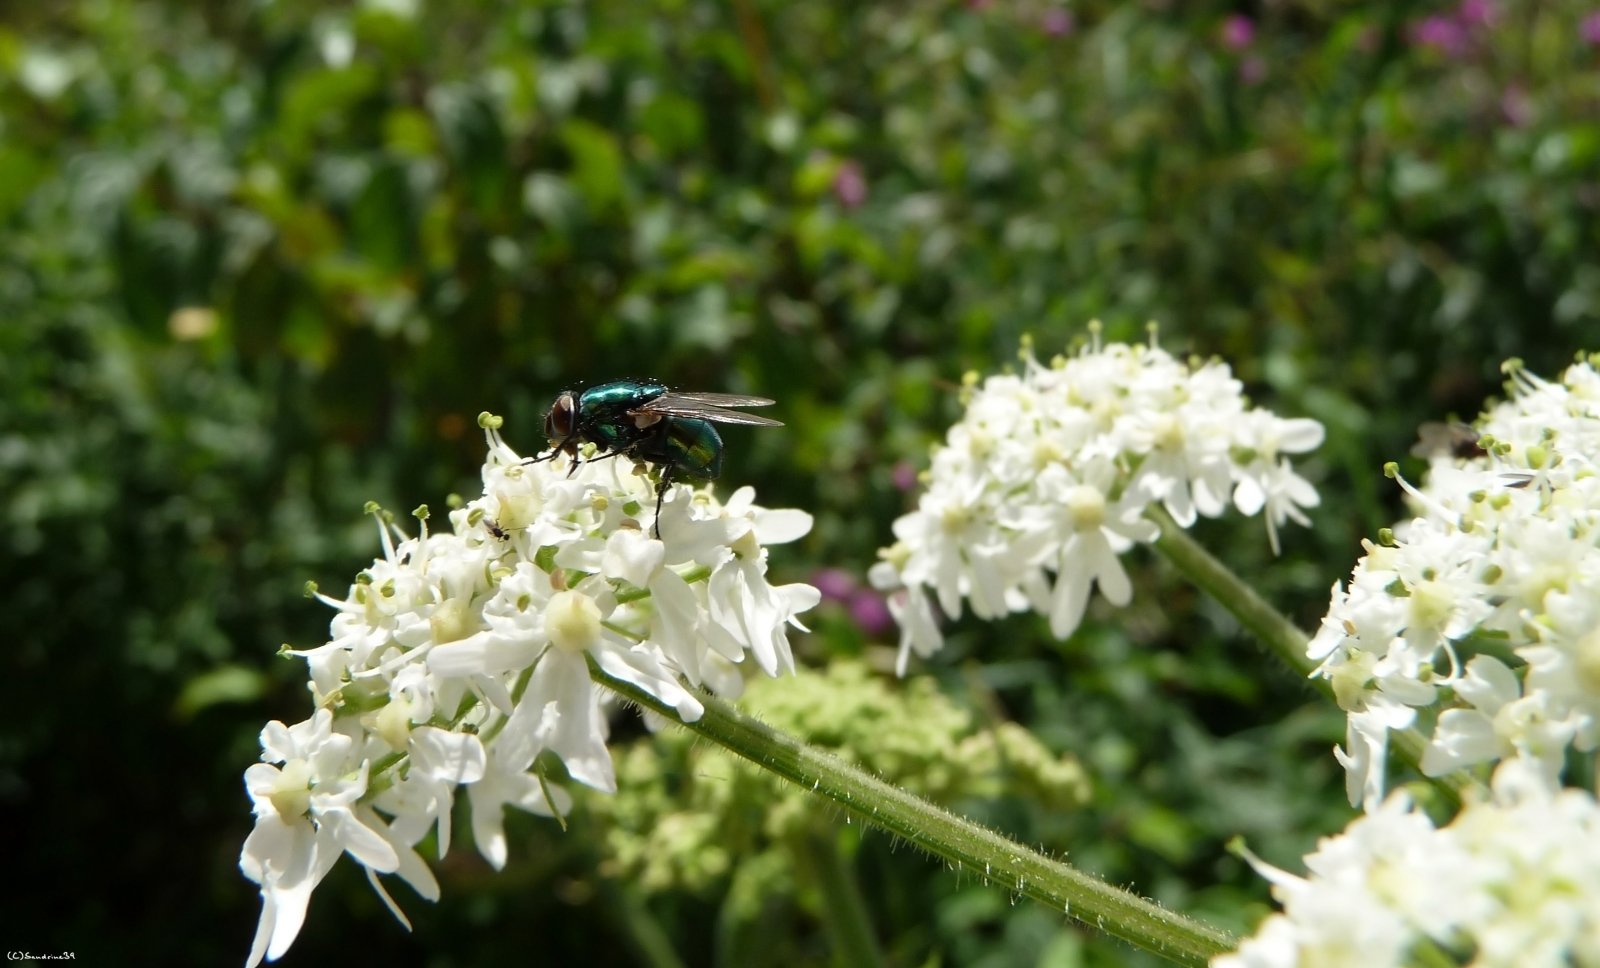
[[261, 262]]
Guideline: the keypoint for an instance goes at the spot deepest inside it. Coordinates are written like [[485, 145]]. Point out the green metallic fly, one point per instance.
[[647, 422]]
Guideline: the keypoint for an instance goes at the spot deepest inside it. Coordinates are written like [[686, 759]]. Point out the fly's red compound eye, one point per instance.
[[561, 421]]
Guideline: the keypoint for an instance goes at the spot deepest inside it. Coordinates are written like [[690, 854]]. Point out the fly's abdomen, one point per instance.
[[700, 447], [691, 448]]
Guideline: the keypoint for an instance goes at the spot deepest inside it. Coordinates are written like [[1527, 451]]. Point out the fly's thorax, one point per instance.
[[611, 435], [610, 401], [606, 417]]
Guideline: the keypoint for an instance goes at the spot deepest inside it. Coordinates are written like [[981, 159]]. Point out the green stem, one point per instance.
[[1270, 626], [1281, 636], [960, 843], [1427, 954], [820, 856]]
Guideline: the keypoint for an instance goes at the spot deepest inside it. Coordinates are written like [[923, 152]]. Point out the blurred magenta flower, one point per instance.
[[870, 612], [1589, 29], [1477, 13], [835, 584], [905, 475], [1056, 22], [1238, 32], [868, 609], [1443, 33], [850, 184]]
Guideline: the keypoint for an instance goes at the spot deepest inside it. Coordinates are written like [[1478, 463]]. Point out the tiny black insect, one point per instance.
[[1456, 439]]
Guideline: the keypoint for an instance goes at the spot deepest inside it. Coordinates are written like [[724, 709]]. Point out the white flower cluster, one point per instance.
[[1052, 470], [459, 657], [1486, 607], [1513, 882]]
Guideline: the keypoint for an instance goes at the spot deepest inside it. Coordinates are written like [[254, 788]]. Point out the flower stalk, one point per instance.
[[1271, 627], [1282, 637], [961, 843]]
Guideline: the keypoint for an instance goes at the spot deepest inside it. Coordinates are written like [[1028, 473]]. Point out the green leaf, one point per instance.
[[597, 164], [224, 684]]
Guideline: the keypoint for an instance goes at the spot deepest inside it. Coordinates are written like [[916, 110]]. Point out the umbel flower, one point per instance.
[[459, 657], [1484, 610], [1511, 882], [1046, 481]]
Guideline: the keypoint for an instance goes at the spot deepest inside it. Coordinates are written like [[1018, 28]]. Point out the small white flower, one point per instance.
[[1269, 481], [1497, 722], [1052, 472], [1505, 550], [305, 819], [507, 782], [1512, 881], [1367, 745], [441, 760], [1090, 532], [469, 652]]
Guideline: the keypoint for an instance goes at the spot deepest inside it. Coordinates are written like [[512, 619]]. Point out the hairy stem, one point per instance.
[[960, 843]]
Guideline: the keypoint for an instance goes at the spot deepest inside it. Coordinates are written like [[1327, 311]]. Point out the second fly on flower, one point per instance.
[[649, 423]]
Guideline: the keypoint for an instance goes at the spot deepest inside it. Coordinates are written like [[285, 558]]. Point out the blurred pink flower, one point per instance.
[[1056, 22], [850, 184], [870, 612], [1238, 32], [1253, 70], [835, 584], [905, 475], [1589, 29], [1443, 33], [867, 608], [1477, 13]]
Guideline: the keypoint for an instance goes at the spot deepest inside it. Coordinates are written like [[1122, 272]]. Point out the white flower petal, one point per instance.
[[642, 669], [570, 724], [782, 526]]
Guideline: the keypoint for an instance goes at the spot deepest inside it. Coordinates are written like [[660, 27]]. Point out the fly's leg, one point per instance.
[[661, 492], [557, 451], [576, 460], [593, 460]]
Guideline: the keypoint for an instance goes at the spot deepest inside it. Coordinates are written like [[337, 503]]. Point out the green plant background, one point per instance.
[[262, 262]]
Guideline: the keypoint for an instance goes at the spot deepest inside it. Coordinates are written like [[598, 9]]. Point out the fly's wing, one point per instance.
[[717, 399], [710, 406]]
